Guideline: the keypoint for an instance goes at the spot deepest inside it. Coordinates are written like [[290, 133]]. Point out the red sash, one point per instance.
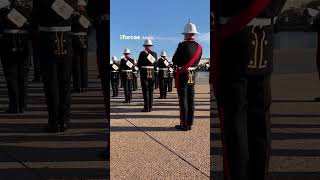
[[233, 26], [185, 67]]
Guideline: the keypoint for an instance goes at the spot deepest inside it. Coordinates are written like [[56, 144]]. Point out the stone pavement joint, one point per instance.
[[31, 170], [166, 147]]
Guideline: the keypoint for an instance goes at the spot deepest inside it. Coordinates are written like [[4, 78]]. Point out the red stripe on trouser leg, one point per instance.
[[226, 168], [181, 116]]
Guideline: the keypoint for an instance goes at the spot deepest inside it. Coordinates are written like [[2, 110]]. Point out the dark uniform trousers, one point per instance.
[[318, 54], [56, 65], [316, 28], [35, 57], [14, 59], [121, 83], [115, 83], [244, 99], [170, 81], [135, 81], [156, 80], [163, 84], [80, 61], [127, 85], [186, 94], [147, 91]]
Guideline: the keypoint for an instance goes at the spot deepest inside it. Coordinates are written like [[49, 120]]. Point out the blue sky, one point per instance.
[[163, 20]]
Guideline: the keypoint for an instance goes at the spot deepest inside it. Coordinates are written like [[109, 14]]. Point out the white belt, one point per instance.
[[253, 22], [79, 34], [55, 29], [114, 71], [126, 70], [190, 68], [105, 17], [15, 31], [164, 69], [147, 67]]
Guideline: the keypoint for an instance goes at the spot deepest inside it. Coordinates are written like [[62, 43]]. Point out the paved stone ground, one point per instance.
[[147, 146], [26, 152], [295, 129]]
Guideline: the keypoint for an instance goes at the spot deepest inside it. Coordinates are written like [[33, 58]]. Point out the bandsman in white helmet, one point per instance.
[[186, 58], [14, 52], [53, 21], [163, 75], [147, 65], [126, 69], [115, 76]]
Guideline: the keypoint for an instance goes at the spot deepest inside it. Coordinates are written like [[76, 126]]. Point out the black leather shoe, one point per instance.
[[75, 91], [317, 99], [11, 111], [51, 129], [21, 110], [145, 110], [64, 127], [36, 80], [183, 128], [83, 90]]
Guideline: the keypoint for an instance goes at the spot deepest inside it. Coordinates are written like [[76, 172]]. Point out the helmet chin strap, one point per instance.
[[189, 38], [148, 48]]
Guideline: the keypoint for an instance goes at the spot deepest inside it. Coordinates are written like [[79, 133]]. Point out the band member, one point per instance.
[[163, 75], [186, 58], [126, 68], [241, 81], [147, 65], [170, 79], [15, 18], [115, 76], [80, 27], [53, 18], [135, 77]]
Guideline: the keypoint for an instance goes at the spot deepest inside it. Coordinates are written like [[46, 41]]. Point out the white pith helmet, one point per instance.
[[82, 3], [147, 42], [313, 12], [126, 51], [114, 58], [163, 53], [190, 28]]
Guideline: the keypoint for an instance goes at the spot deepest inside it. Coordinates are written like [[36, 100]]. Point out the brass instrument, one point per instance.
[[258, 58], [165, 74], [83, 41], [129, 75], [191, 77], [149, 73], [59, 41]]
